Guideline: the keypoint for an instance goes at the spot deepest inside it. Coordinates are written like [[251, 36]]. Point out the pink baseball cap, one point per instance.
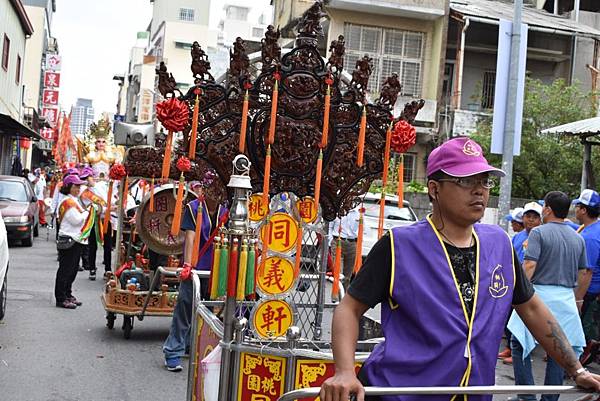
[[87, 172], [72, 179], [460, 157]]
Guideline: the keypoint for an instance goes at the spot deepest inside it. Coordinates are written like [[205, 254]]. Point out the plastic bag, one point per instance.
[[211, 370]]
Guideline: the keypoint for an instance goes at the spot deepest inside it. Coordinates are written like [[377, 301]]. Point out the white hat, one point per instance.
[[532, 207], [517, 215]]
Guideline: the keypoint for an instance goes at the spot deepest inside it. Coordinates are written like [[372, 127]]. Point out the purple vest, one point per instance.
[[205, 261], [428, 341]]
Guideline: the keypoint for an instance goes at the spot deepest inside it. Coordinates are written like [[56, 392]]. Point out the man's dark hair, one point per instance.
[[593, 212], [434, 177], [66, 189], [559, 202]]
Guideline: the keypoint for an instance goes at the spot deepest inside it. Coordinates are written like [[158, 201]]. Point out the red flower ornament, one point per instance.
[[184, 164], [173, 114], [404, 137], [117, 172]]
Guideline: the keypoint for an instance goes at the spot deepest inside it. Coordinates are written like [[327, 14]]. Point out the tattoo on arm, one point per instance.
[[562, 347]]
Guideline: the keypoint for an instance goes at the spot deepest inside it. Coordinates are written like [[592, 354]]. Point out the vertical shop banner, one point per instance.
[[51, 79], [50, 97], [51, 115]]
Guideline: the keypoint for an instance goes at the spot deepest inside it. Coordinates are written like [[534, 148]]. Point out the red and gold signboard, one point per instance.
[[257, 210], [275, 276], [50, 97], [272, 317], [312, 373], [206, 341], [262, 377], [51, 114], [283, 232], [51, 79], [307, 209]]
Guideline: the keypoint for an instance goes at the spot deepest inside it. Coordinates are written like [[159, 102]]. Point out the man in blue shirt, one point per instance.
[[587, 210], [532, 213]]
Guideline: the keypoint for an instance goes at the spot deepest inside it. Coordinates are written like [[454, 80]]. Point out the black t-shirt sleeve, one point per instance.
[[523, 287], [371, 285]]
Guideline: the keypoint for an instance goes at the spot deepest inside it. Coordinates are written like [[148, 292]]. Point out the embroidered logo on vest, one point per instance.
[[498, 287], [470, 148]]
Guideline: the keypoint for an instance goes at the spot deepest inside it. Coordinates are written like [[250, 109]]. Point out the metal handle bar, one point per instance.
[[159, 271], [471, 390]]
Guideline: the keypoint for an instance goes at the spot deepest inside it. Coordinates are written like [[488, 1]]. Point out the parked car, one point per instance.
[[19, 208], [3, 267], [393, 217]]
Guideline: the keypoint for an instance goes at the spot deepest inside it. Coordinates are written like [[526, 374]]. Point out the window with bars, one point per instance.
[[487, 89], [186, 14], [237, 13], [392, 50], [409, 166]]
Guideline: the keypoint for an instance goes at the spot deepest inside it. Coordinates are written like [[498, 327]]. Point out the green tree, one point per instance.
[[547, 162]]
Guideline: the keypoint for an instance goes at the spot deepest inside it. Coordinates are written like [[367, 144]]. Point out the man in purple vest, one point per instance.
[[177, 343], [445, 285]]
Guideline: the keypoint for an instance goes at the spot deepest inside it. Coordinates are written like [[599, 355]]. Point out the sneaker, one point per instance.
[[504, 354], [507, 361], [92, 275], [66, 304], [80, 268], [173, 364], [74, 300]]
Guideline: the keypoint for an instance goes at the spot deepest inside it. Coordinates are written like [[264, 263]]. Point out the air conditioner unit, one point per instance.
[[131, 134]]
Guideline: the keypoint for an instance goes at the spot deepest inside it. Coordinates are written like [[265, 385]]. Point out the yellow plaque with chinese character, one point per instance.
[[257, 210], [307, 209], [275, 276], [272, 317], [261, 377], [281, 233]]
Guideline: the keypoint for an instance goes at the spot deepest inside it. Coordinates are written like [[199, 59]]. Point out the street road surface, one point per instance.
[[54, 354]]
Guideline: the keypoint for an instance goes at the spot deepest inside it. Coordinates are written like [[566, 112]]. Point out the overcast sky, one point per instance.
[[95, 38]]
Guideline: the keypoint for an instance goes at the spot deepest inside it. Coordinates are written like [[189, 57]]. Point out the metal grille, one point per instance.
[[392, 51], [488, 89], [409, 167], [186, 14]]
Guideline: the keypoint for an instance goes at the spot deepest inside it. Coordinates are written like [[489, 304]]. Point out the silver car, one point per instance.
[[3, 266], [393, 217]]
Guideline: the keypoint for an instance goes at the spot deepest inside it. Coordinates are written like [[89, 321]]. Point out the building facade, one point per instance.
[[15, 29], [557, 47], [39, 45], [407, 37], [82, 115]]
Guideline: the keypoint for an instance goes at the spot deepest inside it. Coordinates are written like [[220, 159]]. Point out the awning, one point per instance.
[[487, 11], [10, 126], [587, 127]]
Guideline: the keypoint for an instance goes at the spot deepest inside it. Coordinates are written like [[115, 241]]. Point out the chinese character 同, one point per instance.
[[280, 231]]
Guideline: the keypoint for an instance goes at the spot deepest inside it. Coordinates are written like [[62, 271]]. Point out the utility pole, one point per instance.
[[509, 131]]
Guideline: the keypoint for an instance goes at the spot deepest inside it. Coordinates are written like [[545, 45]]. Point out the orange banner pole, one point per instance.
[[166, 167], [194, 132], [361, 138], [273, 121], [244, 124]]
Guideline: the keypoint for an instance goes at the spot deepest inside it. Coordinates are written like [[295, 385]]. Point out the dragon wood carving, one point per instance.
[[298, 128]]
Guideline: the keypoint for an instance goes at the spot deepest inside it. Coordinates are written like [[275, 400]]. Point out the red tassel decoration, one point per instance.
[[194, 132], [125, 192], [318, 179], [274, 100], [324, 137], [166, 166], [176, 225], [233, 267], [386, 166], [151, 208], [267, 177], [244, 124], [337, 264], [108, 207], [359, 241], [401, 182], [198, 232], [361, 138]]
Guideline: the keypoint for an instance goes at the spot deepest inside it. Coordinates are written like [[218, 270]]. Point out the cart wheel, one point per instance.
[[127, 326], [110, 320]]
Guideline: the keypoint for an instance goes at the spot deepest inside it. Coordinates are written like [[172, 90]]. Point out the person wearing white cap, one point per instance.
[[516, 220], [587, 210], [532, 217]]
